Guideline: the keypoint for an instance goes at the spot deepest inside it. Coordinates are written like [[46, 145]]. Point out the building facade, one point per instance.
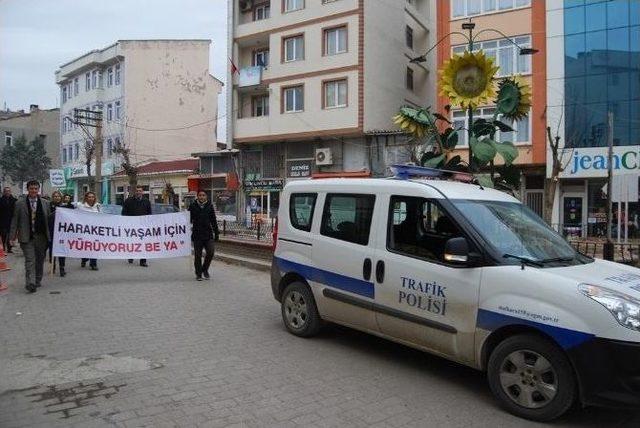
[[594, 70], [34, 124], [523, 23], [157, 99], [316, 86]]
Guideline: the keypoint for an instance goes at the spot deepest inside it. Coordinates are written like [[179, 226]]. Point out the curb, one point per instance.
[[262, 265]]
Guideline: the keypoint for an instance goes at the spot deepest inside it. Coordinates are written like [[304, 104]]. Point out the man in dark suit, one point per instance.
[[203, 233], [7, 205], [134, 206], [30, 224]]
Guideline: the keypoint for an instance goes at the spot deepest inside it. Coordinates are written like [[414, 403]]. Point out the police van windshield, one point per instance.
[[518, 234]]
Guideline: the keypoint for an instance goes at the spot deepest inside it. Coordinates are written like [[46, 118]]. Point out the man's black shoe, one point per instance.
[[62, 273], [205, 275], [31, 288], [198, 278], [144, 264], [130, 261], [83, 263], [94, 267]]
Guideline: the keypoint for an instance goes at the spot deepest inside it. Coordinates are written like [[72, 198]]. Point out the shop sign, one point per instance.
[[299, 169], [56, 177], [593, 161], [81, 170], [264, 184]]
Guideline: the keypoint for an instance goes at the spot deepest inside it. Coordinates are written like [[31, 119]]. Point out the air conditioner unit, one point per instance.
[[324, 157], [246, 5]]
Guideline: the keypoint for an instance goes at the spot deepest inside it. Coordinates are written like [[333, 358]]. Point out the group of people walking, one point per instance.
[[31, 221]]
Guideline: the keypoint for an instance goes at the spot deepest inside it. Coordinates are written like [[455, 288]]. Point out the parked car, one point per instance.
[[464, 272]]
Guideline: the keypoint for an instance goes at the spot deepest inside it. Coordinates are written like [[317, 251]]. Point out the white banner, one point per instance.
[[82, 234]]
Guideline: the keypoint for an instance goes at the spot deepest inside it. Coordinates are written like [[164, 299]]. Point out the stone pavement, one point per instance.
[[129, 346]]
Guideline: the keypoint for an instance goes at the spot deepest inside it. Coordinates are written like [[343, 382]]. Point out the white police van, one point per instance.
[[467, 273]]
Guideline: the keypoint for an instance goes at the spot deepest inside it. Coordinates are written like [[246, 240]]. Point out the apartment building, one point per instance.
[[157, 98], [32, 124], [317, 83], [502, 27], [594, 70]]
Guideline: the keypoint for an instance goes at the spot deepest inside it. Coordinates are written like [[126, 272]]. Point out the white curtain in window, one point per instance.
[[505, 60], [457, 7], [474, 7]]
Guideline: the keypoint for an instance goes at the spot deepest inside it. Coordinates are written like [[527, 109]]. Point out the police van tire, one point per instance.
[[299, 310], [532, 378]]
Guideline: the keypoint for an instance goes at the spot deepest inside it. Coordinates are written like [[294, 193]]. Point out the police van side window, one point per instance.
[[348, 217], [301, 207], [419, 228]]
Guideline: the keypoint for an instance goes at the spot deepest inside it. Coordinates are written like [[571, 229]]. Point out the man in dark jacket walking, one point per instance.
[[135, 206], [7, 205], [204, 232]]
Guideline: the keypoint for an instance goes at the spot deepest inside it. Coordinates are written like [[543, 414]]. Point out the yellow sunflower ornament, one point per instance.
[[467, 80], [514, 98]]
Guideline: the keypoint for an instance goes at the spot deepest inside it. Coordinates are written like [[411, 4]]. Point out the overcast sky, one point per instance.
[[37, 36]]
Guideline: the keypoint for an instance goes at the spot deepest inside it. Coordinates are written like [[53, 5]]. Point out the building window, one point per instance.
[[87, 80], [109, 112], [348, 217], [77, 154], [94, 79], [463, 8], [8, 138], [504, 54], [520, 133], [261, 58], [293, 98], [64, 155], [293, 48], [262, 11], [409, 37], [110, 77], [335, 93], [335, 40], [118, 110], [117, 143], [260, 106], [117, 77], [291, 5], [109, 147], [64, 94], [76, 86], [409, 79]]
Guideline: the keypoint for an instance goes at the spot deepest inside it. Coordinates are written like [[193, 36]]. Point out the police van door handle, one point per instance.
[[366, 269], [380, 271]]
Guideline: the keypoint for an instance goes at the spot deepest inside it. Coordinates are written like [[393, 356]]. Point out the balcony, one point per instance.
[[250, 78], [251, 127]]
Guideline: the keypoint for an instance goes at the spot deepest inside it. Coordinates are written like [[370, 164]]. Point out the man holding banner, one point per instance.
[[136, 206]]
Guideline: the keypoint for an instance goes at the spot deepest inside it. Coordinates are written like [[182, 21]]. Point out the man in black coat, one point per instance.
[[134, 206], [7, 205], [204, 232]]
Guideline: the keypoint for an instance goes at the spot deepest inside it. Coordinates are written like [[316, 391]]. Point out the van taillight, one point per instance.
[[274, 235]]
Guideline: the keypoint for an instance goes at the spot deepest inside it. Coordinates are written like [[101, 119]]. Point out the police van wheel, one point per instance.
[[532, 378], [299, 311]]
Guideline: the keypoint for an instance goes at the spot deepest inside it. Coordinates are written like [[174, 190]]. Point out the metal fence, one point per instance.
[[255, 230], [622, 253], [594, 230]]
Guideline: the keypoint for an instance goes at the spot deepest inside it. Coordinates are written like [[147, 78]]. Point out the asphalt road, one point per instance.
[[131, 346]]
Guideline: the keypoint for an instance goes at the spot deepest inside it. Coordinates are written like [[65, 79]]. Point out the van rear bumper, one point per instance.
[[608, 372]]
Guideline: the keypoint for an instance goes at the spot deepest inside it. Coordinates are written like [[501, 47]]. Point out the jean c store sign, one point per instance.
[[593, 161]]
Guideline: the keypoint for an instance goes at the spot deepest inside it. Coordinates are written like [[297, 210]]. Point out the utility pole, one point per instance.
[[607, 252], [472, 165], [89, 118]]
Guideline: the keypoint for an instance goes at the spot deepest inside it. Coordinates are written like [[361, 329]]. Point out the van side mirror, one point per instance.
[[456, 251]]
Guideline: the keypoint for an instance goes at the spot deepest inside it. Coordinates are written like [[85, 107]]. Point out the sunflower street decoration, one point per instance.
[[469, 81]]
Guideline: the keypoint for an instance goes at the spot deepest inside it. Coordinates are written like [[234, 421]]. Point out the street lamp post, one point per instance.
[[470, 38]]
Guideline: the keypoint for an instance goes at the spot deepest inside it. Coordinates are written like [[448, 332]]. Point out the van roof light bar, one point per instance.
[[406, 172]]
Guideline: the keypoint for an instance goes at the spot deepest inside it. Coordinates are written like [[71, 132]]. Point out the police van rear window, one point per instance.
[[301, 207]]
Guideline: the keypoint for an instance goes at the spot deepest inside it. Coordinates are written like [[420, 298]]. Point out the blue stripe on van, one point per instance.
[[566, 338], [335, 280]]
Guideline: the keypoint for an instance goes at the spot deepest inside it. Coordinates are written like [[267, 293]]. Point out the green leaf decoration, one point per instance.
[[507, 150], [510, 175], [503, 127], [419, 115], [484, 180], [508, 97], [435, 162], [449, 138], [483, 150], [481, 127]]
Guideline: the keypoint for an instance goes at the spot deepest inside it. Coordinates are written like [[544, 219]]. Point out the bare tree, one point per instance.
[[129, 168], [89, 152]]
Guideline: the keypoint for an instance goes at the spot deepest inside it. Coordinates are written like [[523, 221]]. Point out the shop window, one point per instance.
[[301, 208], [348, 217]]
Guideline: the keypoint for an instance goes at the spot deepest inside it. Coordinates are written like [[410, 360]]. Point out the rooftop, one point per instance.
[[165, 167]]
